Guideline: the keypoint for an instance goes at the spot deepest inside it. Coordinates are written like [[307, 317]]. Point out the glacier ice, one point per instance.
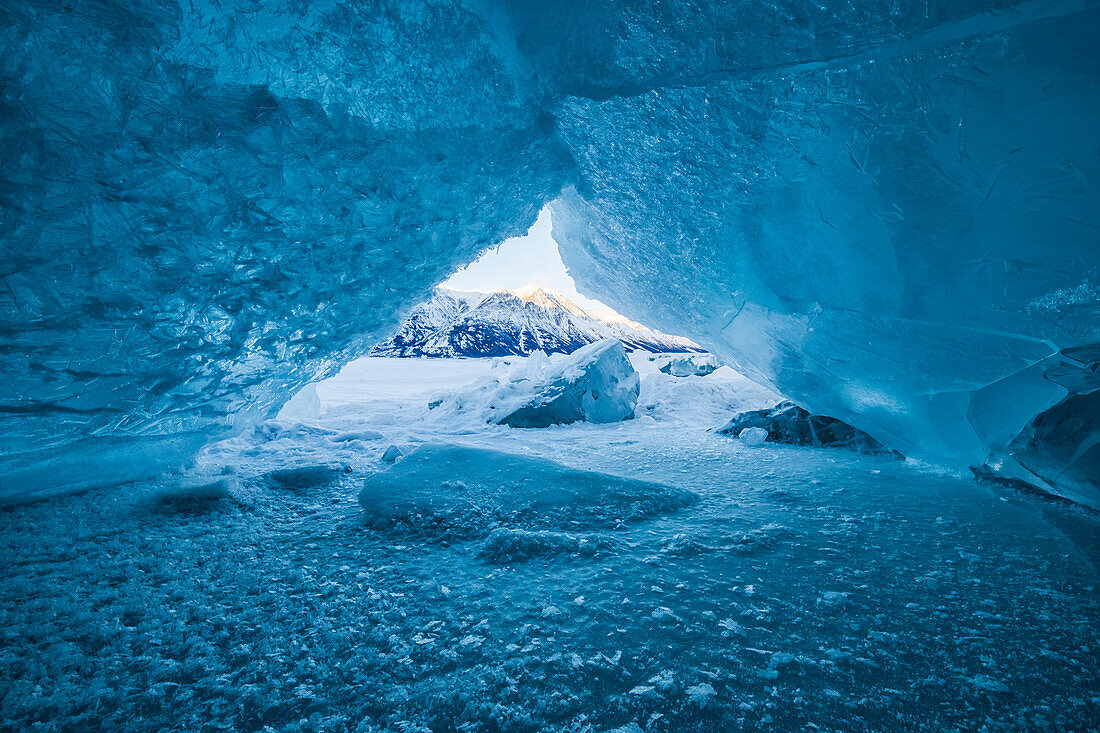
[[884, 211], [206, 206]]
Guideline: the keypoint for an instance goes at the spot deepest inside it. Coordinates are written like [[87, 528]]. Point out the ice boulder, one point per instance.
[[595, 384], [690, 365], [459, 492], [789, 423]]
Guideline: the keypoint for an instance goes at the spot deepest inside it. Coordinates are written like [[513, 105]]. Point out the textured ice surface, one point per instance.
[[807, 588], [886, 211]]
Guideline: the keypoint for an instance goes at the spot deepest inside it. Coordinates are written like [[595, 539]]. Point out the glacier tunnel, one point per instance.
[[885, 211]]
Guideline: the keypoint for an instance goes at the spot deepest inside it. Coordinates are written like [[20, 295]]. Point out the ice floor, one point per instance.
[[712, 587]]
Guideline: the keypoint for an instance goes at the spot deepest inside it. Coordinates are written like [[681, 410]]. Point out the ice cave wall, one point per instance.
[[886, 210], [900, 233], [206, 205]]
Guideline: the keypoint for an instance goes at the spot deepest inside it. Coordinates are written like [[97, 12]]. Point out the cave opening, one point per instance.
[[756, 318]]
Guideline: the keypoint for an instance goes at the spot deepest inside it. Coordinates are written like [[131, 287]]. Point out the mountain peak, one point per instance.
[[547, 298]]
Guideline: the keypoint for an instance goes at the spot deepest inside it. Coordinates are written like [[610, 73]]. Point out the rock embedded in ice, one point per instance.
[[690, 365], [753, 436], [791, 424], [595, 384], [392, 454]]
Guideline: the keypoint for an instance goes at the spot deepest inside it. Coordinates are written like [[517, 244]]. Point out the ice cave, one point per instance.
[[811, 442]]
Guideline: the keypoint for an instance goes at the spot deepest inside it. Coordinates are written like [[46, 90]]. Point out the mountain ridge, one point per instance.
[[458, 323]]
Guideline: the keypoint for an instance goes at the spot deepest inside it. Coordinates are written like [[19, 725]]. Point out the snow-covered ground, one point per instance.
[[645, 575]]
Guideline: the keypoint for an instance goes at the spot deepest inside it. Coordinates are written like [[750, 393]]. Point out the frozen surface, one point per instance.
[[885, 211], [804, 587]]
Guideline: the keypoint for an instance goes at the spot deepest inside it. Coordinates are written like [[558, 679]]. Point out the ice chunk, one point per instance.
[[631, 727], [392, 454], [350, 435], [199, 498], [701, 694], [752, 436], [461, 492], [596, 384], [789, 423]]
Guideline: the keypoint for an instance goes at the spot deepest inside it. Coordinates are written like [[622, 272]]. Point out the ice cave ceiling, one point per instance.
[[887, 210]]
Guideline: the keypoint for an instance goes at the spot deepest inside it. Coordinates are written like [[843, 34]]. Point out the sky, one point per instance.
[[532, 259]]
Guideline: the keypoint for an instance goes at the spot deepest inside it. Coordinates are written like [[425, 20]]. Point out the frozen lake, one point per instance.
[[713, 587]]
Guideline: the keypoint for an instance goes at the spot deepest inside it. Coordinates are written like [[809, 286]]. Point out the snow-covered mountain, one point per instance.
[[456, 323]]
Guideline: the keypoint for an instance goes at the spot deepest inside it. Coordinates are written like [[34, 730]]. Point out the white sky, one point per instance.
[[532, 259]]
